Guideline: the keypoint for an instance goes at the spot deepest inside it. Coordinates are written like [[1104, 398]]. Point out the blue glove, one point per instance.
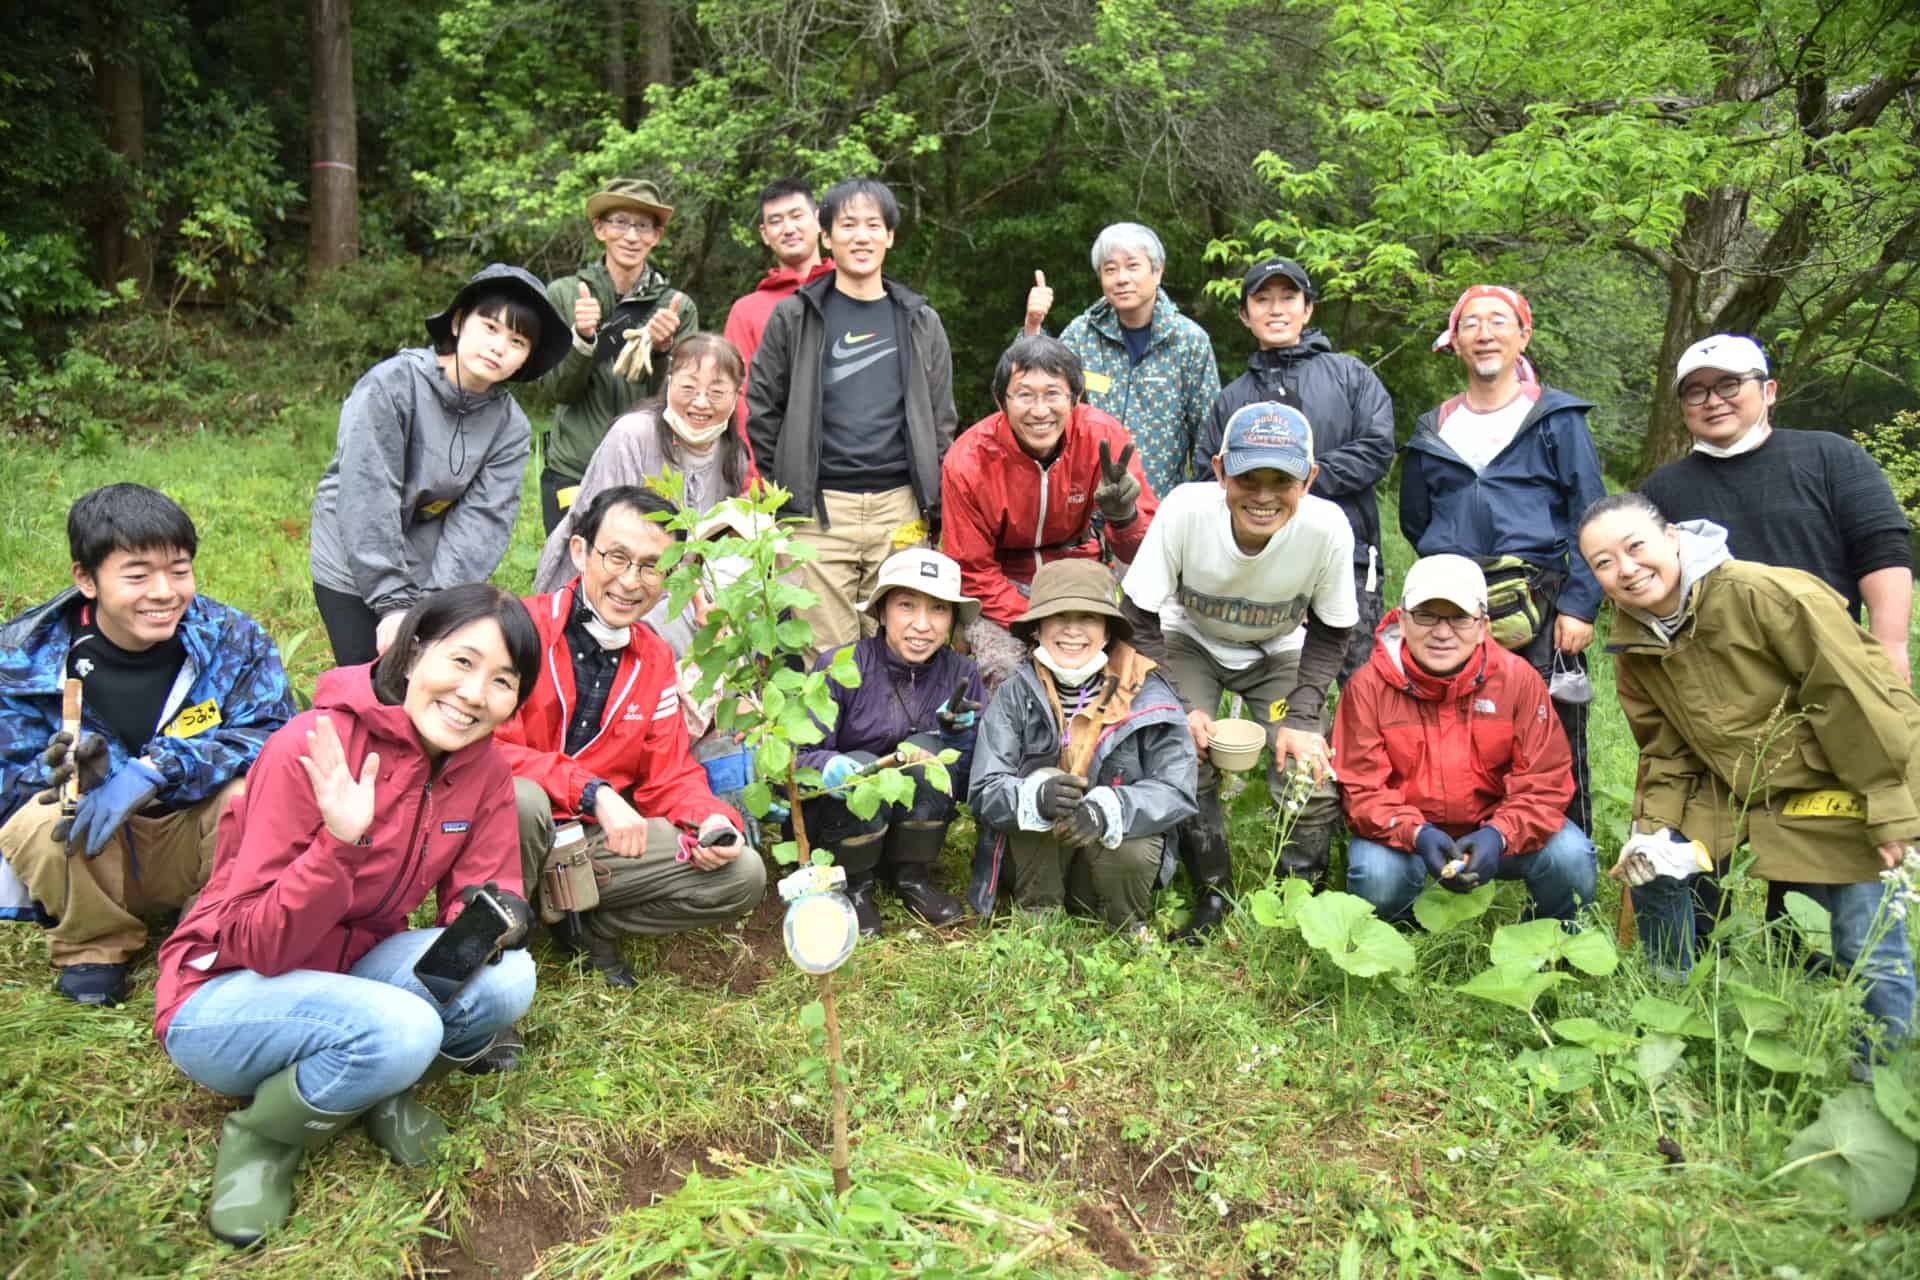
[[838, 770], [1481, 848], [1435, 848], [103, 809], [957, 715]]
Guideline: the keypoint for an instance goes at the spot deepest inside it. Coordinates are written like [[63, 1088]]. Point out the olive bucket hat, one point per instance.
[[628, 193], [556, 332], [1073, 586], [927, 572]]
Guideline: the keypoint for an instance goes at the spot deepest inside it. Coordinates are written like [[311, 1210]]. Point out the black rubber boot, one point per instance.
[[1203, 849], [1305, 854], [860, 894], [573, 934], [914, 847]]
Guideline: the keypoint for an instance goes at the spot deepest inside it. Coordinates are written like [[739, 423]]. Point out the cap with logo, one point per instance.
[[1266, 269], [1455, 579], [927, 572], [1727, 352], [1267, 434]]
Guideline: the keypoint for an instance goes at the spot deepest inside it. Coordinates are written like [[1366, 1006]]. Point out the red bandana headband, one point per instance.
[[1509, 296]]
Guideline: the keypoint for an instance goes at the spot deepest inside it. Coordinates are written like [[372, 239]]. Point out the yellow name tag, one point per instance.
[[563, 498], [1277, 710], [194, 720], [1825, 804], [1098, 383], [429, 510]]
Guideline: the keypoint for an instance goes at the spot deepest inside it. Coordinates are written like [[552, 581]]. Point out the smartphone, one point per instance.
[[466, 944]]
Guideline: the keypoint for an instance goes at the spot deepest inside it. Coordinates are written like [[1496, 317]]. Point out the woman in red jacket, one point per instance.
[[292, 977]]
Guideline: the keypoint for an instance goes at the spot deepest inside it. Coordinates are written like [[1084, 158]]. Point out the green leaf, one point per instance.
[[1590, 951], [1759, 1010], [812, 1014], [1439, 909], [1514, 984], [1563, 1070], [1532, 943], [1852, 1146], [1595, 1035], [1674, 1019], [843, 670], [774, 758], [1776, 1054], [864, 798], [787, 852], [1279, 909], [1814, 921], [1896, 1097], [1345, 928], [795, 633], [758, 797], [938, 777], [1658, 1054], [819, 698]]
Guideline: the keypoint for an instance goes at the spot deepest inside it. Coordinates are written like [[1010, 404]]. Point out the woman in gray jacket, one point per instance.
[[425, 478]]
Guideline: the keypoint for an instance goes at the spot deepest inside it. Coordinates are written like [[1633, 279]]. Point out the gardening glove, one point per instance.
[[1664, 852], [957, 715], [1118, 492], [103, 809], [838, 771], [1083, 827], [1060, 794], [1435, 848], [62, 758], [1480, 851], [514, 905]]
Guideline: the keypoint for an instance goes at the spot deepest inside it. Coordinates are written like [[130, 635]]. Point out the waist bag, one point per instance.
[[568, 882], [1514, 610]]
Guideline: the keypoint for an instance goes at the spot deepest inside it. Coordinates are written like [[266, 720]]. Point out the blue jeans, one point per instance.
[[358, 1036], [1559, 875], [1665, 912]]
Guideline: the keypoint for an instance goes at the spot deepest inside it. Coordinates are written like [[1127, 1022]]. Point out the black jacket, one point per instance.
[[1351, 414]]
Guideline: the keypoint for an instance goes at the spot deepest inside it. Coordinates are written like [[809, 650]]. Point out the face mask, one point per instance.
[[687, 435], [1071, 676], [1569, 683], [1755, 437], [605, 635]]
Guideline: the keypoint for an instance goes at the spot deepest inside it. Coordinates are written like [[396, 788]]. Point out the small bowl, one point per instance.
[[1236, 745]]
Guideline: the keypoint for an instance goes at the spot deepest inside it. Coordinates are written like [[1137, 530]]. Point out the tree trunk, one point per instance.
[[335, 237], [656, 20], [121, 252], [615, 13]]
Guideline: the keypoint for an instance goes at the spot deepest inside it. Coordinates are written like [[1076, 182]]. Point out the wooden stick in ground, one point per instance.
[[1623, 930], [70, 725], [841, 1181]]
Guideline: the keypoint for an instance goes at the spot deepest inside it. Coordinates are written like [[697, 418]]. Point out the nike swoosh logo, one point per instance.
[[846, 346], [840, 372]]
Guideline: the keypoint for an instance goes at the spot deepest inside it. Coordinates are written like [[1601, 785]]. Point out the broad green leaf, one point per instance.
[[1532, 943], [758, 797], [1590, 951], [774, 757], [1439, 909], [794, 633], [1759, 1010], [1563, 1070], [1514, 984], [938, 777], [1356, 940], [1851, 1145], [1674, 1019], [1595, 1035], [1776, 1054], [1814, 921], [865, 797], [843, 670], [812, 1014], [1658, 1054], [773, 704], [819, 698], [1896, 1097], [1265, 907], [787, 852], [1278, 909]]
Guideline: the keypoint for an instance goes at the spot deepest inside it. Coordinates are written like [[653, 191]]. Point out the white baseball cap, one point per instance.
[[1455, 579], [927, 571], [1727, 352]]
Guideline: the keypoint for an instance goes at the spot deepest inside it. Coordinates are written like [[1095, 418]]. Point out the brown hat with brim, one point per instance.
[[1073, 586], [628, 193]]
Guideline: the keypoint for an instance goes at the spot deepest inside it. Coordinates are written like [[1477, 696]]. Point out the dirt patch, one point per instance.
[[1107, 1240], [506, 1233], [711, 961]]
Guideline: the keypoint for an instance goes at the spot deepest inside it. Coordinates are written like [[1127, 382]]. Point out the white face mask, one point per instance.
[[1756, 436], [1072, 676], [608, 636], [687, 435]]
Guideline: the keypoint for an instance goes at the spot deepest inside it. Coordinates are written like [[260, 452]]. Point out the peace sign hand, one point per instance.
[[1118, 491], [957, 714], [345, 803]]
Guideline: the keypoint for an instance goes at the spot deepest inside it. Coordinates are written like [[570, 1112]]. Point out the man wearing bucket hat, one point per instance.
[[1811, 500], [1501, 473], [1350, 411], [1084, 766], [1452, 765], [424, 483], [599, 379], [1221, 591], [917, 697]]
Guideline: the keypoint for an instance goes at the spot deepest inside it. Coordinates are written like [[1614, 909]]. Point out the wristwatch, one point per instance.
[[590, 793]]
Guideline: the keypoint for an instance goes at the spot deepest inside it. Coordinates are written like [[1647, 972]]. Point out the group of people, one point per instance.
[[1064, 594]]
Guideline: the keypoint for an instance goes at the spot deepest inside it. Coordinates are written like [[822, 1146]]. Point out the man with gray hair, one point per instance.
[[1144, 363]]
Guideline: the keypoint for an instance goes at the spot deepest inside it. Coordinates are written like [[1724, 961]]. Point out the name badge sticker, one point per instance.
[[195, 720], [1097, 383]]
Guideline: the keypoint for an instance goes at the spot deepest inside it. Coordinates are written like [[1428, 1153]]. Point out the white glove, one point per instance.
[[1660, 853]]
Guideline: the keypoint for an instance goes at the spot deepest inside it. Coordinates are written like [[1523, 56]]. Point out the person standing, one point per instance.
[[790, 228]]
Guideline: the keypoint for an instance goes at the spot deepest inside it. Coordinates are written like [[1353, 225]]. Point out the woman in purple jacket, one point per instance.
[[916, 696]]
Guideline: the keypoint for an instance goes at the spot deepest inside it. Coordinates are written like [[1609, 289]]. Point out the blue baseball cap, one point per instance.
[[1268, 434]]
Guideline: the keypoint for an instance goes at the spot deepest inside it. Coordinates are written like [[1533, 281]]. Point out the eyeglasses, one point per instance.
[[619, 564], [1055, 399], [1458, 623], [1499, 322], [1696, 393], [691, 392], [629, 226]]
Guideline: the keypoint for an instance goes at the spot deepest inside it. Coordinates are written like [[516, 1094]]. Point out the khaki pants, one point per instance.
[[653, 894], [859, 535], [1114, 884], [149, 865]]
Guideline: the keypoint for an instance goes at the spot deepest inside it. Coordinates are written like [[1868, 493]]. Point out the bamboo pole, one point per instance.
[[842, 1183]]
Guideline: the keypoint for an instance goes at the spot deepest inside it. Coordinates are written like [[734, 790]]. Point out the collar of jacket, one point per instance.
[[1106, 321], [350, 689], [1426, 436], [788, 278], [892, 663], [1002, 429], [33, 646], [1312, 343], [815, 292], [425, 364], [652, 281], [1703, 548], [1417, 682]]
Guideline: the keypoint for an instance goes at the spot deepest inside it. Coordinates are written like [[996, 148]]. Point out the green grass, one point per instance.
[[1032, 1100]]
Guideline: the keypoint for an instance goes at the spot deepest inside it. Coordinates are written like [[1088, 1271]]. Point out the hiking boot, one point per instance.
[[102, 984], [501, 1056], [574, 936], [1207, 915], [260, 1147], [916, 846]]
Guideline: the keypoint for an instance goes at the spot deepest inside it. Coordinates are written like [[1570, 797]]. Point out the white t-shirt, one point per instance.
[[1242, 607], [1479, 437]]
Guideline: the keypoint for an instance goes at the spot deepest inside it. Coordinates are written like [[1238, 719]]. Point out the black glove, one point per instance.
[[1082, 828], [1435, 848], [61, 759], [1059, 794], [1118, 492], [511, 903], [1481, 848]]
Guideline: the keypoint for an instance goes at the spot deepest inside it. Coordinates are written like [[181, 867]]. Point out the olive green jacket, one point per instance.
[[589, 393], [1766, 692]]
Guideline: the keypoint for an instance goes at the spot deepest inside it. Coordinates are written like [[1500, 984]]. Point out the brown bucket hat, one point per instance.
[[1073, 586], [628, 193]]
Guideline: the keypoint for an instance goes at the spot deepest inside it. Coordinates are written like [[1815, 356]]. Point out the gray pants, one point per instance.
[[1114, 884], [652, 895]]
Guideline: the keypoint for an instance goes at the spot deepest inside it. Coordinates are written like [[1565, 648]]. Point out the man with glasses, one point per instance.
[[790, 228], [1023, 488], [1810, 500], [607, 299], [601, 742], [1452, 766]]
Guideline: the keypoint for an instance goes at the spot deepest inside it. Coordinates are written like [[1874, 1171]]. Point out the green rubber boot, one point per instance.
[[402, 1126], [260, 1147]]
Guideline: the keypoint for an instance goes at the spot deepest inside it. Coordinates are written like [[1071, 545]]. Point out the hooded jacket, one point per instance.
[[641, 748], [894, 700], [1143, 758], [1763, 692], [423, 486], [747, 320], [1481, 747], [287, 894], [590, 394], [783, 395], [1351, 415], [1163, 400], [1007, 514], [1526, 503]]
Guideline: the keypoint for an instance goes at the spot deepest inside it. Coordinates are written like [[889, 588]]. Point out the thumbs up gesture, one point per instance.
[[664, 323], [1039, 302], [586, 314], [1118, 491]]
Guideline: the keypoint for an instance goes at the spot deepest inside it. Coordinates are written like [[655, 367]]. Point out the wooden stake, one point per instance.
[[841, 1181], [70, 724]]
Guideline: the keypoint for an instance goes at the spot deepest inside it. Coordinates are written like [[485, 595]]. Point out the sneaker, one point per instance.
[[104, 984]]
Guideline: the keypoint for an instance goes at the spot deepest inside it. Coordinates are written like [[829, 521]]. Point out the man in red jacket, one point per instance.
[[601, 741], [1451, 760], [790, 227], [1023, 487]]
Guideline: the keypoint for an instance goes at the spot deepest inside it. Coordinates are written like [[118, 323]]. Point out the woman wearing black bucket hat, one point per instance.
[[425, 478]]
